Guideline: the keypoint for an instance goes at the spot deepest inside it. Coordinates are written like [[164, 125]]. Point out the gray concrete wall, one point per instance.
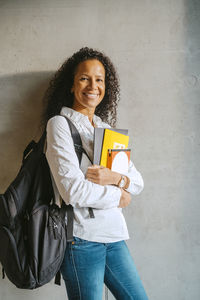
[[155, 46]]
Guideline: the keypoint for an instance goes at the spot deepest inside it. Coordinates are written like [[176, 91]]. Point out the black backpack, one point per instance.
[[33, 232]]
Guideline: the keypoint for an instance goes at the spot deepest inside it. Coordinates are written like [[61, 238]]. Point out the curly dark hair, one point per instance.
[[59, 93]]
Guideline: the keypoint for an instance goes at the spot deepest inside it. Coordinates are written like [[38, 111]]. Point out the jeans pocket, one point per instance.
[[79, 241]]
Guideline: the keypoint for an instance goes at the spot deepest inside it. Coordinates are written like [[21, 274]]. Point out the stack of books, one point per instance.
[[111, 149]]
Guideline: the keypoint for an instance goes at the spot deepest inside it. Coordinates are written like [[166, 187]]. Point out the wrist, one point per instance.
[[116, 178], [124, 182], [127, 182]]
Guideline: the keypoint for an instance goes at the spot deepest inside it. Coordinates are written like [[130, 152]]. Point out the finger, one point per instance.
[[92, 178], [91, 173], [94, 167]]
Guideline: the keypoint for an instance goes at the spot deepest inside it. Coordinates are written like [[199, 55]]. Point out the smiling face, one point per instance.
[[89, 86]]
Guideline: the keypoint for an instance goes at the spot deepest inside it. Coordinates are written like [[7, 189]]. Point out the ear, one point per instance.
[[72, 89]]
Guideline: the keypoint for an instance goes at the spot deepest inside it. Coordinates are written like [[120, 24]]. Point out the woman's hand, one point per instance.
[[125, 199], [102, 175]]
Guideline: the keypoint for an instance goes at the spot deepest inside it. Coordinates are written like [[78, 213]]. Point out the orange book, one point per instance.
[[112, 140], [118, 160]]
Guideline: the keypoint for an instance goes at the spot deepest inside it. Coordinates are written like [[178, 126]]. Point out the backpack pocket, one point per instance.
[[47, 242], [9, 254]]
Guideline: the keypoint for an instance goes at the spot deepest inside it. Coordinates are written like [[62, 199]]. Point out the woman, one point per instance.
[[86, 90]]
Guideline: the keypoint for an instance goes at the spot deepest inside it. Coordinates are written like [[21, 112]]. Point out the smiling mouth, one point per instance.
[[91, 96]]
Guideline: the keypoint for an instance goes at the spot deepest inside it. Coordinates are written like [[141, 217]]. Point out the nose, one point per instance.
[[92, 84]]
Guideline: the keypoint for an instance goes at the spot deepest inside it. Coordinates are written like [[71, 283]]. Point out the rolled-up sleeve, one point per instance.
[[70, 180], [136, 181]]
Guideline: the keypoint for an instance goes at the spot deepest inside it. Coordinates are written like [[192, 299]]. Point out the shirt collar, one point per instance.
[[79, 117]]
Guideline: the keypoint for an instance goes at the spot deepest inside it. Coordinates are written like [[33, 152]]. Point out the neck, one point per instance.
[[85, 111]]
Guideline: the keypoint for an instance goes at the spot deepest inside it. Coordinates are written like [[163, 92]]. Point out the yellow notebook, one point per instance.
[[112, 140]]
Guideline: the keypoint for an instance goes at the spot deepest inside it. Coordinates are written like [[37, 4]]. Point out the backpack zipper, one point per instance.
[[54, 227]]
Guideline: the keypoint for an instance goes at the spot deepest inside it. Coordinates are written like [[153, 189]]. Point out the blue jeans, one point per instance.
[[87, 265]]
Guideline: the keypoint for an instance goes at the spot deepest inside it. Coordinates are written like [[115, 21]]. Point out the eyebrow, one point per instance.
[[88, 75]]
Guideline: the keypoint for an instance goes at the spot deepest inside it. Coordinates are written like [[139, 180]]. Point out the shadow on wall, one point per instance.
[[20, 112]]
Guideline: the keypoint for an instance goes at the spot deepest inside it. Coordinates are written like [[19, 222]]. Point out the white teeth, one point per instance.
[[91, 95]]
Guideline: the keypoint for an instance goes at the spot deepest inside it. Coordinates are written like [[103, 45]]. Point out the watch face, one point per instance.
[[122, 182]]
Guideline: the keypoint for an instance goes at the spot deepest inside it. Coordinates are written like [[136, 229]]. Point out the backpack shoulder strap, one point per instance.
[[79, 151], [77, 141]]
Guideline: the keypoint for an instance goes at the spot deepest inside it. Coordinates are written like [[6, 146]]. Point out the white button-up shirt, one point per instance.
[[69, 180]]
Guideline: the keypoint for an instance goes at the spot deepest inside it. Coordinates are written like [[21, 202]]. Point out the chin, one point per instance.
[[92, 105]]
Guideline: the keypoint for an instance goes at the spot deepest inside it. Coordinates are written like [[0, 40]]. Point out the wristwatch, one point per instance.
[[122, 182]]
